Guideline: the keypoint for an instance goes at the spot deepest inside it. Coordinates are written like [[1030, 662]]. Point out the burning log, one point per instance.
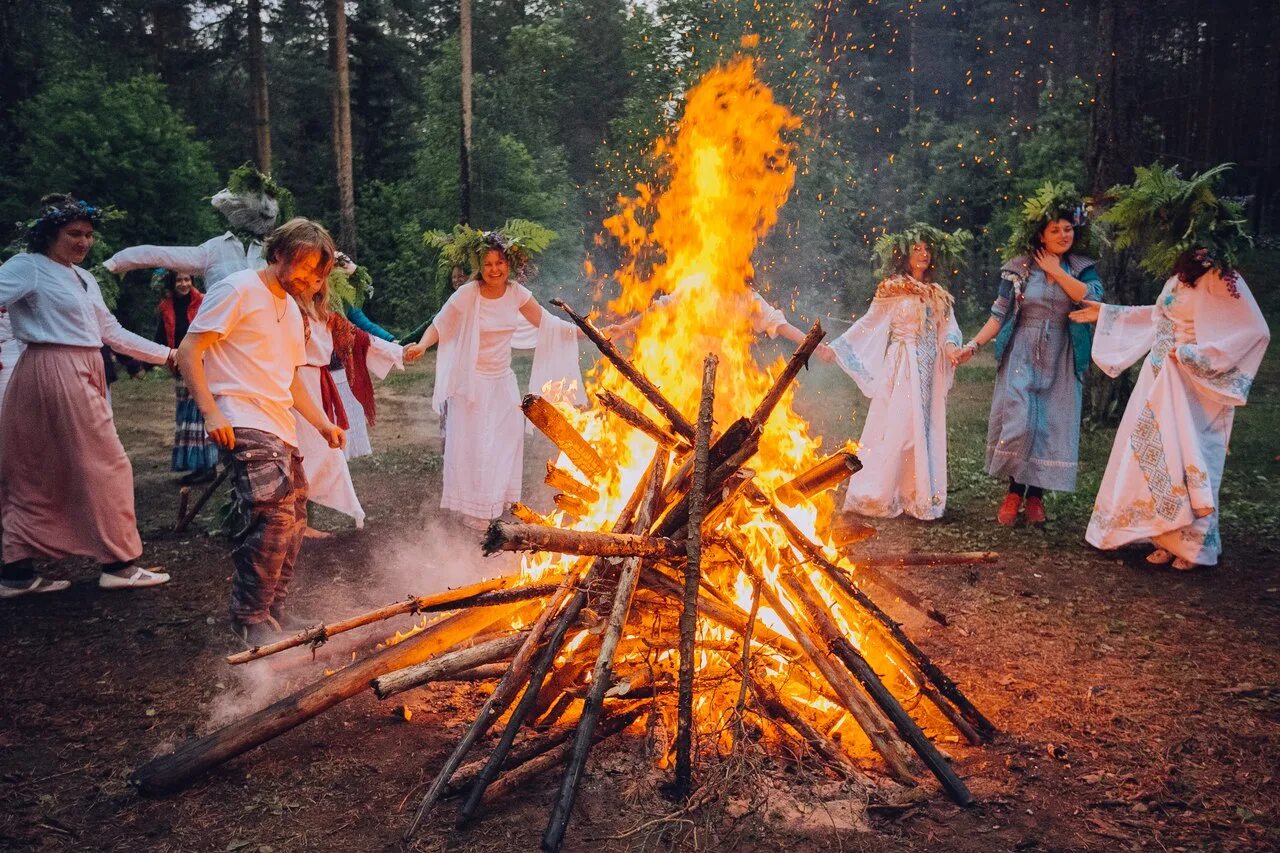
[[570, 505], [400, 680], [638, 419], [920, 558], [845, 530], [828, 473], [692, 578], [553, 838], [504, 536], [527, 515], [780, 385], [483, 594], [772, 703], [484, 672], [168, 773], [562, 480], [185, 519], [554, 426], [650, 391]]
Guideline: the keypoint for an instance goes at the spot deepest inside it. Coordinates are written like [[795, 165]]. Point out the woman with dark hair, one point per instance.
[[1033, 435], [1203, 341], [66, 485], [193, 451], [901, 354]]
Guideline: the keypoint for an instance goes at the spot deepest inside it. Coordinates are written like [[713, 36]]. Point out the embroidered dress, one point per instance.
[[896, 353], [1167, 460], [484, 433], [1033, 435]]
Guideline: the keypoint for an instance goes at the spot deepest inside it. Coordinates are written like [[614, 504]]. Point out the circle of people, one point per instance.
[[273, 367]]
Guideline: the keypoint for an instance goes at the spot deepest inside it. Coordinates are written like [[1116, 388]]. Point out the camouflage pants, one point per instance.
[[268, 518]]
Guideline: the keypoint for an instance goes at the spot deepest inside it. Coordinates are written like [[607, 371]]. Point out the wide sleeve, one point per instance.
[[118, 337], [192, 260], [458, 326], [1231, 339], [361, 321], [860, 351], [948, 336], [1123, 335], [383, 356], [17, 279], [765, 317], [556, 374]]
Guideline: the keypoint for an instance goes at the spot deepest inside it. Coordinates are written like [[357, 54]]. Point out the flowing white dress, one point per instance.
[[484, 433], [1167, 460], [328, 477], [896, 353]]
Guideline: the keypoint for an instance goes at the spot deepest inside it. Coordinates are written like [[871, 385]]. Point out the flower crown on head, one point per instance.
[[946, 249], [1051, 202], [518, 239], [54, 216]]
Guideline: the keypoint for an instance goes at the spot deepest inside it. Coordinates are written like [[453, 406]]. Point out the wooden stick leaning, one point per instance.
[[828, 473], [639, 420], [781, 710], [562, 480], [505, 536], [650, 391], [201, 501], [461, 660], [553, 837], [168, 773], [467, 596], [780, 385], [547, 418], [919, 558], [692, 577]]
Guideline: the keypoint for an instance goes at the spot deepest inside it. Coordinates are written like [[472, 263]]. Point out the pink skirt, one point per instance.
[[66, 485]]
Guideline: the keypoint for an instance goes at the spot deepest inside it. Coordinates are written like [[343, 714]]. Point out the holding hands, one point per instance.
[[826, 353], [1088, 314]]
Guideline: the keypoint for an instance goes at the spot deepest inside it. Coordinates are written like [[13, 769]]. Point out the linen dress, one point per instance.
[[1171, 447], [896, 353], [1033, 435]]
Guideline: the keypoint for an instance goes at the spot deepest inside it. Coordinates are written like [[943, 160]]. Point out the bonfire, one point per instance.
[[690, 575]]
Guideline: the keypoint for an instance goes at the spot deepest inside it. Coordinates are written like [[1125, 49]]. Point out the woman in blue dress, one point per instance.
[[1033, 436]]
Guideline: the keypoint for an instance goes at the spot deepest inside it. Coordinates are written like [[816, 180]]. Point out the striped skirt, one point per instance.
[[66, 485], [193, 450]]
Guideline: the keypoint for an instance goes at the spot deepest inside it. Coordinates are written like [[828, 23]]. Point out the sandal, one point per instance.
[[36, 586], [1159, 557]]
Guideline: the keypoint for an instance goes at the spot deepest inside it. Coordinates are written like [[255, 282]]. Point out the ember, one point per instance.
[[683, 577]]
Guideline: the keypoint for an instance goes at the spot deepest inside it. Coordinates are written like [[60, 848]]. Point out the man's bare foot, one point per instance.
[[1159, 557], [312, 533]]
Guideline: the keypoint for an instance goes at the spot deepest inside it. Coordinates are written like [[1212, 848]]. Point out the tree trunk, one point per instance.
[[342, 126], [258, 89], [464, 150]]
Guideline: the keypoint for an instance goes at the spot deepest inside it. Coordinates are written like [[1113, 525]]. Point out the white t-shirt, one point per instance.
[[261, 342]]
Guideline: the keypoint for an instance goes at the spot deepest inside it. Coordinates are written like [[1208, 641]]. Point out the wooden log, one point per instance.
[[866, 714], [473, 595], [547, 418], [726, 445], [168, 773], [401, 680], [722, 613], [498, 701], [625, 522], [932, 672], [201, 501], [678, 516], [527, 515], [692, 579], [562, 480], [776, 707], [678, 422], [184, 497], [484, 672], [845, 530], [526, 750], [920, 558], [505, 536], [628, 577], [780, 385], [828, 473], [571, 505], [639, 420]]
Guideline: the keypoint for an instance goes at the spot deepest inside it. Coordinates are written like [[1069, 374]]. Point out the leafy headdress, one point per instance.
[[946, 250], [253, 202], [1053, 201], [518, 239], [348, 289], [1165, 216]]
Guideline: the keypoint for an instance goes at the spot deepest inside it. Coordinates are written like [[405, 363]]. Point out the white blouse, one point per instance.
[[213, 260], [50, 303]]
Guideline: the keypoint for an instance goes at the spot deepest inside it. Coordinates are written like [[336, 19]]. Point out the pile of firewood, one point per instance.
[[583, 655]]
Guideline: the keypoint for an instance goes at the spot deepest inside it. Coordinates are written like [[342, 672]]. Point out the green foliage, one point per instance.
[[464, 246], [1054, 200], [946, 250], [1163, 215], [1055, 149], [247, 180]]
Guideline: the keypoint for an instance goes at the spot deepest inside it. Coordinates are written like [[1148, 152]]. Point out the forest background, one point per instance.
[[947, 112]]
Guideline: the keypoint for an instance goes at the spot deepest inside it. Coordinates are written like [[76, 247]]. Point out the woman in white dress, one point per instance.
[[1203, 341], [484, 433], [901, 354]]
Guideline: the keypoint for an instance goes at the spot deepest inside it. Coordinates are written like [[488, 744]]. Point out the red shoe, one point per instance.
[[1035, 511], [1008, 512]]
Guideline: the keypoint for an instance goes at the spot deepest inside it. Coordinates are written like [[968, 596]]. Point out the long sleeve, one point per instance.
[[1123, 335], [1231, 339], [383, 356], [765, 317], [362, 322], [121, 339], [17, 279], [192, 260], [860, 350]]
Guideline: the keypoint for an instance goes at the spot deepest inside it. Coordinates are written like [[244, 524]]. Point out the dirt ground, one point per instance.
[[1139, 709]]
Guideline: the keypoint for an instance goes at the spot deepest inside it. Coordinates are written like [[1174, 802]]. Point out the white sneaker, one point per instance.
[[140, 578], [35, 586]]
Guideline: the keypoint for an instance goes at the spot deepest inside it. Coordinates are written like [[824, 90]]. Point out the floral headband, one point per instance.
[[54, 216]]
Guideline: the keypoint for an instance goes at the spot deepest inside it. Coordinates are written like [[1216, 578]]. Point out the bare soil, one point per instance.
[[1139, 708]]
